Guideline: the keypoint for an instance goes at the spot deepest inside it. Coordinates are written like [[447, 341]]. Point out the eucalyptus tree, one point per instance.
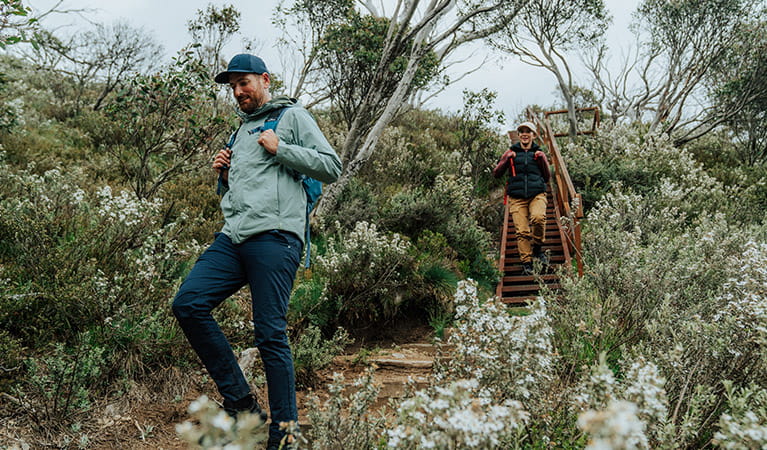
[[689, 38], [478, 142], [348, 59], [98, 60], [545, 30], [736, 93], [738, 89], [15, 22], [211, 29], [161, 125], [417, 35], [304, 24], [682, 45]]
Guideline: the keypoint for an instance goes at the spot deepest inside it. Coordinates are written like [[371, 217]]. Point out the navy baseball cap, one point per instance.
[[242, 63]]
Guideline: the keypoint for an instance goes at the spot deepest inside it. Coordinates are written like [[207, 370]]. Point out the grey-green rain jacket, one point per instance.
[[264, 191]]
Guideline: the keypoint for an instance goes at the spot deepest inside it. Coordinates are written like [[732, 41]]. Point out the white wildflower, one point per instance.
[[222, 421], [198, 404], [616, 427]]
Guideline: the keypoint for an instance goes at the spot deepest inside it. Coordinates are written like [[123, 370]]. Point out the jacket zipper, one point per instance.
[[527, 172]]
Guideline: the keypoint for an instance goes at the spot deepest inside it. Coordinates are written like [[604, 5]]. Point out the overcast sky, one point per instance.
[[517, 84]]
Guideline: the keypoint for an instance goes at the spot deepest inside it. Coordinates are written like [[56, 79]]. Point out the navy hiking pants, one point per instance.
[[268, 262]]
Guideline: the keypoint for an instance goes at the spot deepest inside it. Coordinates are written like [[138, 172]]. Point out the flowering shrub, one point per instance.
[[746, 297], [672, 284], [364, 272], [451, 417], [511, 357], [347, 419], [212, 428], [93, 272], [744, 426], [124, 208], [94, 251], [628, 413], [617, 427], [624, 156]]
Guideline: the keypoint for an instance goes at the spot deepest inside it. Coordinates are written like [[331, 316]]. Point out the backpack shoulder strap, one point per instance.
[[273, 118], [221, 185]]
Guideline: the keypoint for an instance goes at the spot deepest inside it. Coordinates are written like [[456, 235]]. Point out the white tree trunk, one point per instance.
[[393, 105]]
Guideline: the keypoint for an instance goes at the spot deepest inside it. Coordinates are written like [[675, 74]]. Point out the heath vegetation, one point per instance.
[[107, 198]]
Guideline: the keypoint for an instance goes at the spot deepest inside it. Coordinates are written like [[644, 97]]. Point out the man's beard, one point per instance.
[[249, 106]]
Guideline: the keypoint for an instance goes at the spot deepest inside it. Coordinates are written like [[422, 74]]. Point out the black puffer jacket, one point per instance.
[[528, 175]]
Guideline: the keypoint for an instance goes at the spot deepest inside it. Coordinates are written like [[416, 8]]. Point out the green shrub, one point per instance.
[[59, 387], [446, 208], [312, 353], [10, 360], [10, 108], [357, 203], [137, 342], [412, 210], [409, 157], [308, 304], [90, 268], [437, 277]]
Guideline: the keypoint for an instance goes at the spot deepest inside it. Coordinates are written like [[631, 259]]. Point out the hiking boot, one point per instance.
[[274, 444], [527, 268], [247, 404], [544, 259], [540, 255]]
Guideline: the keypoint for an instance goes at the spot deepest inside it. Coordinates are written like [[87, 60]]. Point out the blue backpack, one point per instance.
[[312, 187]]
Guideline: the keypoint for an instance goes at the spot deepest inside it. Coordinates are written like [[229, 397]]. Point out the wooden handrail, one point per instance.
[[502, 259], [594, 123]]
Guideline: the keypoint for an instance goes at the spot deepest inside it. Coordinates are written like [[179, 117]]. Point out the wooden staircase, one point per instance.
[[517, 288], [562, 242]]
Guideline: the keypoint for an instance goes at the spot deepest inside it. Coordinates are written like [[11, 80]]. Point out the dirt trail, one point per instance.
[[152, 425]]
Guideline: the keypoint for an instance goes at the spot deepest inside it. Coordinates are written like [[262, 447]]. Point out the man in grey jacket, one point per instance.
[[264, 207]]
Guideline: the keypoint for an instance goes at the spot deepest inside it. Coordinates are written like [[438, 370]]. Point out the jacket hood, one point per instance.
[[279, 101]]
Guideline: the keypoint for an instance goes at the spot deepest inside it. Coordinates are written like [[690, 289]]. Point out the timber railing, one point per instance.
[[567, 202], [594, 123]]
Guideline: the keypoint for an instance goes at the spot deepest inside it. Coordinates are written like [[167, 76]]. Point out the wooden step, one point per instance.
[[527, 288], [549, 234], [513, 279], [518, 301], [553, 244], [512, 257]]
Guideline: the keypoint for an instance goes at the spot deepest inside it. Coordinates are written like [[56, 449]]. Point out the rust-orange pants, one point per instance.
[[529, 216]]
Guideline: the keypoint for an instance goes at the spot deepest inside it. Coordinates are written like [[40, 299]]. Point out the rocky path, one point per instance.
[[394, 366], [152, 425]]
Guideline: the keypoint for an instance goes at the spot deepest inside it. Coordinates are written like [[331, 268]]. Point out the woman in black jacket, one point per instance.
[[529, 173]]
